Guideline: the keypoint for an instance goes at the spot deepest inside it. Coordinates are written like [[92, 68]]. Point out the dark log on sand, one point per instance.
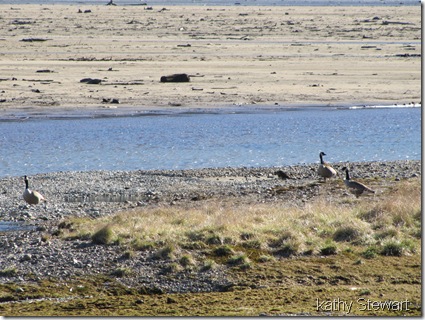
[[178, 77]]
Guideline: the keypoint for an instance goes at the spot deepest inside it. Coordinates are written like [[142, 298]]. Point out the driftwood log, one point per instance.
[[178, 77], [91, 81]]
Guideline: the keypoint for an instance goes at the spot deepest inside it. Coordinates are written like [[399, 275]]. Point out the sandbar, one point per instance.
[[235, 57]]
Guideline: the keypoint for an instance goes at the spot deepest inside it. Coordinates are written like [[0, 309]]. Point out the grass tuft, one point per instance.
[[103, 236], [388, 224], [121, 272], [329, 249], [223, 251], [9, 272], [347, 234], [240, 260], [165, 253]]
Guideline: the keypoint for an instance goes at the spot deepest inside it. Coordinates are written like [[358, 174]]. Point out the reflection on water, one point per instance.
[[105, 198], [7, 226], [186, 141]]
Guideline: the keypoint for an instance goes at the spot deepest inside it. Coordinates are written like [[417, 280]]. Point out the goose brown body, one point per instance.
[[30, 196], [355, 187], [325, 170]]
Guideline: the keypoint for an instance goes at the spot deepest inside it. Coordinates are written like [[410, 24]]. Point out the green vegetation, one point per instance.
[[103, 235], [279, 258], [390, 223]]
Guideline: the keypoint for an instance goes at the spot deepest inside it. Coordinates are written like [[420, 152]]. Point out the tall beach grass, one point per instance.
[[388, 224]]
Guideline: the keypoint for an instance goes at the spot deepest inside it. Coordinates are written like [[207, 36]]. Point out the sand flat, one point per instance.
[[236, 56]]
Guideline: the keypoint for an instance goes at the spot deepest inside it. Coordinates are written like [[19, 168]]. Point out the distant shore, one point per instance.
[[235, 57]]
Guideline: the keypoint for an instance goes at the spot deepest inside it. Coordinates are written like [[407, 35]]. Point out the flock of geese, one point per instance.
[[325, 171]]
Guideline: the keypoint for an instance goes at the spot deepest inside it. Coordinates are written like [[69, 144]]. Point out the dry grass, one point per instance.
[[390, 220]]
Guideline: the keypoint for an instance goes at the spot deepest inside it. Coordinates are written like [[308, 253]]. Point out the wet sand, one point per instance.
[[235, 56]]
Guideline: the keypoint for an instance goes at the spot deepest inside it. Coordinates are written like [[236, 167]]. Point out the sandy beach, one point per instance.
[[235, 56]]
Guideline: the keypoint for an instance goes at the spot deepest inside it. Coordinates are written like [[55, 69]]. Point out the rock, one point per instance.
[[178, 77], [78, 193], [113, 101], [26, 257], [91, 81]]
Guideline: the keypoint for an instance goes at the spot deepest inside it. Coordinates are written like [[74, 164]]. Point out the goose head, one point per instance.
[[321, 154], [26, 182]]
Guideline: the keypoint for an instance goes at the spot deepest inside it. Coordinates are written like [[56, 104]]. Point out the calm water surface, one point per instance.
[[208, 140]]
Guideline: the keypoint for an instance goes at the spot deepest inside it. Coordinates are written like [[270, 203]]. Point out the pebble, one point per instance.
[[101, 193]]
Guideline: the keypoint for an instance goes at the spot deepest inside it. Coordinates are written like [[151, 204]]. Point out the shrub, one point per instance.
[[284, 237], [370, 253], [223, 251], [120, 272], [392, 248], [247, 236], [208, 265], [252, 244], [238, 260], [171, 268], [328, 249], [103, 236], [186, 261], [165, 253], [288, 249], [213, 239], [346, 233], [9, 272]]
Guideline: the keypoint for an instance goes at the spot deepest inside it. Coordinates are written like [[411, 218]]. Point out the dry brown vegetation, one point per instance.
[[279, 258], [277, 229]]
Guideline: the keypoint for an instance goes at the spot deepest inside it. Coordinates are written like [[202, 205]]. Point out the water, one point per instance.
[[185, 141], [6, 226], [226, 2]]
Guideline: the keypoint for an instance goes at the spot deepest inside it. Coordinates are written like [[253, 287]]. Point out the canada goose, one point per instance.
[[32, 197], [355, 187], [325, 170]]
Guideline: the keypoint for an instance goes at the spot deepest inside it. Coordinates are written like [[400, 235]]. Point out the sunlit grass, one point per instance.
[[390, 222]]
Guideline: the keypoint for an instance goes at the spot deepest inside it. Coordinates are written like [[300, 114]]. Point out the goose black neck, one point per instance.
[[347, 176], [321, 158], [26, 182]]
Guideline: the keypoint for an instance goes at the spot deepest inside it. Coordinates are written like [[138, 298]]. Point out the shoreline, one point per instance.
[[120, 189], [25, 114], [41, 253]]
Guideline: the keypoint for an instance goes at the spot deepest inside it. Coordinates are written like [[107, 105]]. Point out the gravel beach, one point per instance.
[[265, 57], [99, 193]]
